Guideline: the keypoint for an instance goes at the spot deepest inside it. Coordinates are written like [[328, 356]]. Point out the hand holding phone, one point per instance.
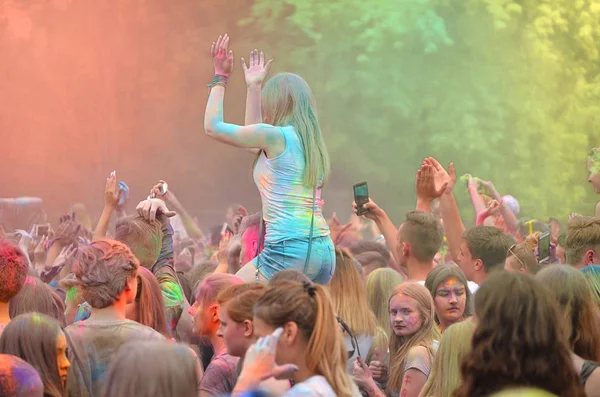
[[544, 247], [361, 197]]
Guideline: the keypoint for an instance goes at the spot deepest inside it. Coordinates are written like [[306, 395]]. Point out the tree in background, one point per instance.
[[508, 90]]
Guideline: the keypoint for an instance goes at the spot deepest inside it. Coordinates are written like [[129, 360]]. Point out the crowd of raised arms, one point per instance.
[[288, 303]]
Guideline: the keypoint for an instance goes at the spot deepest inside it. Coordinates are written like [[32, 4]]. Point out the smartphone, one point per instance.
[[164, 188], [123, 186], [544, 247], [361, 197], [42, 230], [226, 228]]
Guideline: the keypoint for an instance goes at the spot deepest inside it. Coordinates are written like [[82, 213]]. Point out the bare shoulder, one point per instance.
[[592, 386]]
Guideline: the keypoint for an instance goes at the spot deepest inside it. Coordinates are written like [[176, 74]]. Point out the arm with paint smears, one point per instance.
[[256, 136]]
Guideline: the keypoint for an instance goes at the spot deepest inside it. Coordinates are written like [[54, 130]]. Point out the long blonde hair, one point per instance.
[[349, 296], [309, 306], [381, 284], [287, 100], [445, 376], [400, 346]]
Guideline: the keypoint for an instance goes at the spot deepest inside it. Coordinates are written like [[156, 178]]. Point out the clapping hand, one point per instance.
[[256, 73]]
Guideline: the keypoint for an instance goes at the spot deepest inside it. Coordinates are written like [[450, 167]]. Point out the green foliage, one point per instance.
[[507, 89]]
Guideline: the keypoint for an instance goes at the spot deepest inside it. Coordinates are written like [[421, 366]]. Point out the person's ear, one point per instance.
[[590, 257], [290, 333], [479, 265], [214, 313], [248, 328]]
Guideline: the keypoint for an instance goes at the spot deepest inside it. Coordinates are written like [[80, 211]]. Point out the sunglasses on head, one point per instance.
[[512, 252]]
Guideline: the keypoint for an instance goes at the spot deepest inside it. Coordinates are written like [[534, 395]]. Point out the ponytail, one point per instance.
[[310, 307], [326, 342]]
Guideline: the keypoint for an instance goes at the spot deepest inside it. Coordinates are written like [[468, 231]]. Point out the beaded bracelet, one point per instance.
[[219, 79]]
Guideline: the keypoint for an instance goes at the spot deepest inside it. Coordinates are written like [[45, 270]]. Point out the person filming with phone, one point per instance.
[[290, 169]]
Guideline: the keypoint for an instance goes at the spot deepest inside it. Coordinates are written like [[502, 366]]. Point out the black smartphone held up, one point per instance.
[[361, 197], [544, 247]]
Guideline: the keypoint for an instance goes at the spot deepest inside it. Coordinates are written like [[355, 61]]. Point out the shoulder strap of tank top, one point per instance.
[[312, 225], [586, 370]]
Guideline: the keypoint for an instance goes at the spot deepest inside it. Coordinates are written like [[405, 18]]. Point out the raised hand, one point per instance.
[[493, 207], [40, 252], [425, 184], [256, 73], [375, 212], [441, 177], [67, 231], [112, 195], [154, 209], [222, 56]]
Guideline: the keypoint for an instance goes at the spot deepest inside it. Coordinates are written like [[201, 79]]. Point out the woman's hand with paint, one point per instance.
[[222, 56], [154, 209], [257, 72]]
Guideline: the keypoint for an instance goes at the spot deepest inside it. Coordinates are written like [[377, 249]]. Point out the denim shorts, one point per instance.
[[291, 254]]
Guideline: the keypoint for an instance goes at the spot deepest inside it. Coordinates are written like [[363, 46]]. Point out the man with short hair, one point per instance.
[[13, 271], [582, 245], [483, 251], [106, 276], [249, 233], [151, 241], [420, 237]]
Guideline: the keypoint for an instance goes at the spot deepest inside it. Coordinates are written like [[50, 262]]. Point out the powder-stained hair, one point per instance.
[[310, 308], [440, 274], [13, 269], [524, 253], [444, 378], [18, 378], [33, 337], [143, 238], [288, 101], [349, 297], [518, 340], [381, 284], [240, 300], [578, 307], [150, 304], [102, 270], [363, 246], [372, 257], [171, 370], [288, 275], [249, 221], [400, 346], [489, 244], [583, 233], [198, 273], [212, 285], [424, 233], [592, 274], [36, 296]]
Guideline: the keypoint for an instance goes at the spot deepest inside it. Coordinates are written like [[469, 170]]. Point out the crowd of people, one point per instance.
[[285, 302]]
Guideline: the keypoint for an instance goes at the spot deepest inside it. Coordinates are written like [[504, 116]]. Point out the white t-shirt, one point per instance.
[[316, 386]]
